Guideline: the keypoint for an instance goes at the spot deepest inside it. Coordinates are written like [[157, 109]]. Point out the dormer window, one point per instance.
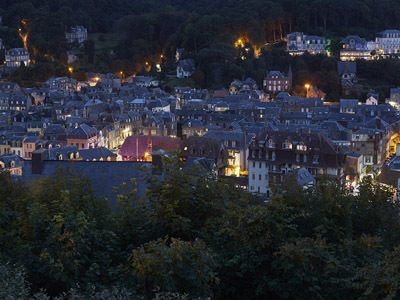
[[301, 147], [271, 143], [287, 145]]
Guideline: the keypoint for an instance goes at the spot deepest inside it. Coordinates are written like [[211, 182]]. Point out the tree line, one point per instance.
[[196, 236]]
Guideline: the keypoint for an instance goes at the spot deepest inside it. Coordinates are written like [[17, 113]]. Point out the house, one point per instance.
[[273, 154], [193, 127], [388, 42], [355, 170], [73, 55], [54, 132], [20, 102], [76, 34], [210, 148], [275, 81], [14, 57], [104, 176], [355, 47], [315, 92], [395, 97], [372, 99], [238, 86], [28, 146], [372, 144], [12, 164], [84, 137], [141, 147], [185, 68], [144, 81], [236, 143], [299, 43], [348, 106], [348, 76]]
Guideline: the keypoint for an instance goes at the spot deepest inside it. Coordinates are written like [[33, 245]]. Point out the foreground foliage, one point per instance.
[[192, 235]]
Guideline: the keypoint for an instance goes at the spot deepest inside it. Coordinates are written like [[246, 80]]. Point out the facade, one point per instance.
[[395, 97], [347, 71], [76, 34], [274, 154], [277, 82], [299, 43], [185, 68], [388, 42], [372, 144], [355, 47], [15, 56], [84, 137]]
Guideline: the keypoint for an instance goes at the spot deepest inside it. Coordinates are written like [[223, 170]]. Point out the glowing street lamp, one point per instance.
[[307, 86], [70, 69]]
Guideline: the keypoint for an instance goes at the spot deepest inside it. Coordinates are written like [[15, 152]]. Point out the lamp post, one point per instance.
[[307, 86]]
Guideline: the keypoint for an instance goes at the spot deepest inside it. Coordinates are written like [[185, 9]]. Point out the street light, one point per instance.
[[307, 86], [70, 69]]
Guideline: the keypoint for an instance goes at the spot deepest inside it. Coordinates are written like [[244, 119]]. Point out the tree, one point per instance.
[[89, 50]]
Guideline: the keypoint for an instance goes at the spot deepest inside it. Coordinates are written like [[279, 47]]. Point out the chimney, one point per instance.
[[157, 164], [37, 160]]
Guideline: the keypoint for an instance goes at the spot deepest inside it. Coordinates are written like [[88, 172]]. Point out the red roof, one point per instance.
[[165, 143]]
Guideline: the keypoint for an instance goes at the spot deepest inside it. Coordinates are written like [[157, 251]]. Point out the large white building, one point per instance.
[[76, 34], [388, 42], [15, 56], [299, 43], [275, 154]]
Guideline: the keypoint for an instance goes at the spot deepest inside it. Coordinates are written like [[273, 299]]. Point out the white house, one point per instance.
[[185, 68]]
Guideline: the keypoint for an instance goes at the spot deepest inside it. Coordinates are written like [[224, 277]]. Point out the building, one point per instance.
[[355, 47], [76, 34], [14, 57], [204, 147], [299, 43], [277, 82], [84, 137], [395, 97], [348, 76], [140, 147], [274, 154], [185, 68], [388, 42]]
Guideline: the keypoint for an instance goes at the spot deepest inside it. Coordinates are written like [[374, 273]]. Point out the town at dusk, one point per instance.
[[199, 150]]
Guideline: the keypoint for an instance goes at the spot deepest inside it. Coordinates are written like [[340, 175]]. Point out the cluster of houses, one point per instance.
[[386, 44], [238, 133]]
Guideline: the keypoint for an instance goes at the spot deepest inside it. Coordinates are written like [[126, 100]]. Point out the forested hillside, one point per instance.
[[134, 35], [197, 235]]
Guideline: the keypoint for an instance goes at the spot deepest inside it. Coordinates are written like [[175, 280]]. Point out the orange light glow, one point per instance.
[[307, 86], [70, 69]]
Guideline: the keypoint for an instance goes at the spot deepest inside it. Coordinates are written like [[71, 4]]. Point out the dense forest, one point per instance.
[[132, 36], [196, 236]]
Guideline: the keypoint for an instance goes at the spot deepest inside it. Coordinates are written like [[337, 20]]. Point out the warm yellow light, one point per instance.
[[147, 63], [161, 56], [97, 79], [146, 154], [70, 69], [307, 86]]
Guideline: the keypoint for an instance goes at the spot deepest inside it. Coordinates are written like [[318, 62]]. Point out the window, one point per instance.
[[254, 164], [287, 145], [260, 165], [315, 159], [271, 143], [253, 176], [298, 157], [301, 147], [259, 177]]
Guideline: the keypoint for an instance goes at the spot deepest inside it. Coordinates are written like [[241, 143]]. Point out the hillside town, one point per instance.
[[257, 137]]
